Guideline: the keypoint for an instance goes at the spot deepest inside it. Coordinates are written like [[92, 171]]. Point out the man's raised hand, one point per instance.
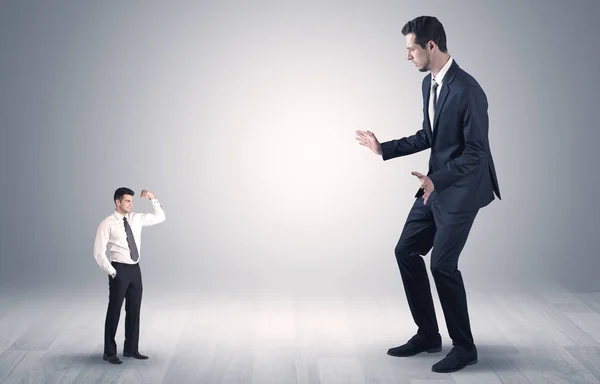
[[369, 140]]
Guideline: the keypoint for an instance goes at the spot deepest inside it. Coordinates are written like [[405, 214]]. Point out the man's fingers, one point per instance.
[[419, 175], [367, 139], [365, 134], [426, 196], [364, 141]]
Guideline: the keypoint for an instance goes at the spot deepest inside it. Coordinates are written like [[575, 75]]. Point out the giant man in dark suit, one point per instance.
[[461, 180]]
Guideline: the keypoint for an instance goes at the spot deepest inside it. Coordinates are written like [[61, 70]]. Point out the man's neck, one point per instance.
[[440, 64]]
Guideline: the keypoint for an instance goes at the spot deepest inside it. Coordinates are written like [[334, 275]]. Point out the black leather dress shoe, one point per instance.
[[135, 355], [457, 359], [111, 359], [416, 345]]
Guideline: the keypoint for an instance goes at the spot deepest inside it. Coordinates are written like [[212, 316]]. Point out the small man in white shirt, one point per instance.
[[120, 234]]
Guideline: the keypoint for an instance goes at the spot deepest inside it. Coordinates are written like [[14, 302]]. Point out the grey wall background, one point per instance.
[[240, 117]]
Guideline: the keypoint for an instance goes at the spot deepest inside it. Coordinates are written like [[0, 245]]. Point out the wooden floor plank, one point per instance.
[[522, 337]]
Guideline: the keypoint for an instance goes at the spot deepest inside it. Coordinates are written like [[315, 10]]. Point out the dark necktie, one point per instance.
[[434, 90], [131, 241]]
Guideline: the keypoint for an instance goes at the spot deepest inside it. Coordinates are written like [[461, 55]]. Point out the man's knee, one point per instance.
[[439, 269], [404, 251]]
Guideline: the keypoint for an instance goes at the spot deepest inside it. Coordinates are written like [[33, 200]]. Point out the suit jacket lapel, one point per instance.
[[440, 103], [446, 85], [426, 95]]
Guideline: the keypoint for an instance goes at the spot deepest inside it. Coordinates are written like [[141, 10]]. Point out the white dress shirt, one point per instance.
[[439, 79], [111, 236]]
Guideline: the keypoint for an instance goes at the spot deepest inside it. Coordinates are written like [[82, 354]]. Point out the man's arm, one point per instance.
[[475, 128], [102, 236], [410, 144], [157, 216], [405, 146]]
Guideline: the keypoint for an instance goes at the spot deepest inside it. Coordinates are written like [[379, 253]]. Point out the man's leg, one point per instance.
[[453, 231], [415, 241], [132, 311], [117, 289]]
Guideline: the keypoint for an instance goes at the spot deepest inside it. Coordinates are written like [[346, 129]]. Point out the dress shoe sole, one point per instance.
[[472, 362], [112, 362], [430, 350], [128, 355]]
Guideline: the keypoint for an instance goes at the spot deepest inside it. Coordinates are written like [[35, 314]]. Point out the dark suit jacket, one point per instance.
[[460, 165]]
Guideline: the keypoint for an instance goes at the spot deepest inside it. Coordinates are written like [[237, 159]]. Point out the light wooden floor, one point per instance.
[[539, 336]]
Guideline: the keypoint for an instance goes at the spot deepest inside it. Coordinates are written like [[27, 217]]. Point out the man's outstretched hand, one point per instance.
[[369, 140], [426, 185]]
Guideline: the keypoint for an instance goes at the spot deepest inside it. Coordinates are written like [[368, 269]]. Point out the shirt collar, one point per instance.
[[118, 215], [440, 76]]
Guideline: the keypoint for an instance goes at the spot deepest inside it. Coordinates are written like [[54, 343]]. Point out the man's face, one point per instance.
[[125, 204], [417, 54]]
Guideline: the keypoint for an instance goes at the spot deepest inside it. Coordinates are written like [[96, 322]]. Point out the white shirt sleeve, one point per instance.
[[156, 217], [102, 236]]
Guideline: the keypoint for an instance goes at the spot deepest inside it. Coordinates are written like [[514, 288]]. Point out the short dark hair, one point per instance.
[[426, 28], [120, 192]]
